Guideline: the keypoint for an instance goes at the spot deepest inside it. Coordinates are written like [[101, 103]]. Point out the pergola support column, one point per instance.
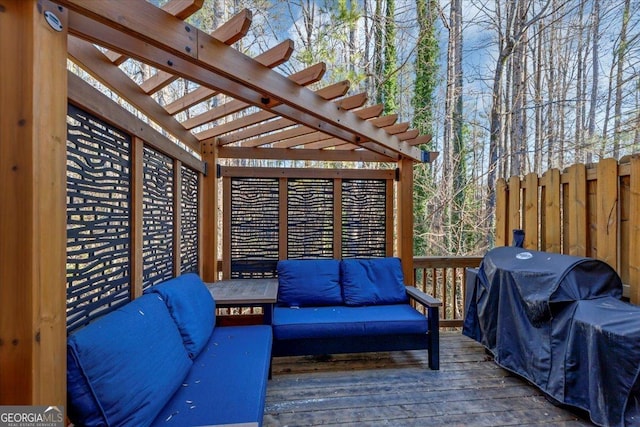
[[209, 213], [404, 232], [33, 107]]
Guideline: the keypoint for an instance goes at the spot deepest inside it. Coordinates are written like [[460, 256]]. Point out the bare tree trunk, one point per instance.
[[537, 99], [551, 90], [578, 137], [622, 49], [519, 89], [607, 113], [595, 70], [367, 49]]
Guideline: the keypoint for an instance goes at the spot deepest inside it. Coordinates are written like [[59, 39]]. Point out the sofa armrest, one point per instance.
[[422, 298]]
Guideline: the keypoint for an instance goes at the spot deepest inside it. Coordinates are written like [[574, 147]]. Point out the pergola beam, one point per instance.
[[228, 33], [182, 49], [181, 9], [300, 154]]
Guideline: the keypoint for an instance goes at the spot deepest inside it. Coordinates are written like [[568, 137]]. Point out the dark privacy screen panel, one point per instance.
[[254, 227], [310, 218], [189, 221], [157, 218], [98, 228], [364, 218]]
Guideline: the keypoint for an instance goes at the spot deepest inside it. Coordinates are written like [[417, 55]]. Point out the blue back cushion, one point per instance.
[[304, 283], [124, 367], [372, 281], [192, 308]]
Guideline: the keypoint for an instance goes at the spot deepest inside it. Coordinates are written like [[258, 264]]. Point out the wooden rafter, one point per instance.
[[273, 57], [305, 77], [330, 92], [422, 139], [152, 35], [296, 131], [101, 68], [396, 129], [347, 103]]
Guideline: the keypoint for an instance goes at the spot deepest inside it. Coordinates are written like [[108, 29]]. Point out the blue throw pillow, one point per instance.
[[304, 283], [125, 366], [192, 308], [372, 281]]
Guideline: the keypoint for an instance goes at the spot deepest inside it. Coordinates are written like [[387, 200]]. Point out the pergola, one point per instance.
[[291, 122]]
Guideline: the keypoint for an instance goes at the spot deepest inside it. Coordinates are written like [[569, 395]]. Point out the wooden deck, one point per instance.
[[398, 389]]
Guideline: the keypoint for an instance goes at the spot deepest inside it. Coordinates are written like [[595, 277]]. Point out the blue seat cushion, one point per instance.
[[227, 383], [125, 366], [372, 281], [343, 321], [304, 283], [192, 308]]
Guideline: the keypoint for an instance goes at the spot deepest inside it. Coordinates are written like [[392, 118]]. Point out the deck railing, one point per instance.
[[445, 278]]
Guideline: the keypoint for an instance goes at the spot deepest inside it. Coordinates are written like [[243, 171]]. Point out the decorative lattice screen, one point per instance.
[[254, 227], [98, 212], [189, 221], [363, 218], [157, 249], [310, 218], [258, 230]]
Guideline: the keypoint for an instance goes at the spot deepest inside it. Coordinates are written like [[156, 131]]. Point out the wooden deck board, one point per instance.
[[399, 389]]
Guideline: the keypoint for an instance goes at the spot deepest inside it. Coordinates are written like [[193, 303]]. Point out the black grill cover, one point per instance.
[[558, 321]]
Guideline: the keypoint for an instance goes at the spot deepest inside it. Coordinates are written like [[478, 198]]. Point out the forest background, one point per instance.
[[505, 87]]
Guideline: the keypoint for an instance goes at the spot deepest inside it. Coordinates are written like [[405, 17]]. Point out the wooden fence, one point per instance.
[[586, 210]]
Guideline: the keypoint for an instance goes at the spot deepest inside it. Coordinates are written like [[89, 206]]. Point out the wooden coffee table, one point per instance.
[[246, 293]]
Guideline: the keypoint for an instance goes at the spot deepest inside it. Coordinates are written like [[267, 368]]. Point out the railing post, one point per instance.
[[433, 318]]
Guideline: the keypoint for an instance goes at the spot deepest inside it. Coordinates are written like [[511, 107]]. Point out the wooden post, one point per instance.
[[226, 227], [389, 223], [502, 213], [577, 210], [530, 216], [137, 213], [607, 231], [209, 209], [634, 229], [552, 223], [405, 217], [33, 105], [514, 207]]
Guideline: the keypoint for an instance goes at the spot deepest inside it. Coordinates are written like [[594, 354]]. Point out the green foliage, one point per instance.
[[389, 89], [426, 66], [426, 69]]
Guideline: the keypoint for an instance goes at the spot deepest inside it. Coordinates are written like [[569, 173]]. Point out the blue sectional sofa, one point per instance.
[[349, 306], [160, 361]]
